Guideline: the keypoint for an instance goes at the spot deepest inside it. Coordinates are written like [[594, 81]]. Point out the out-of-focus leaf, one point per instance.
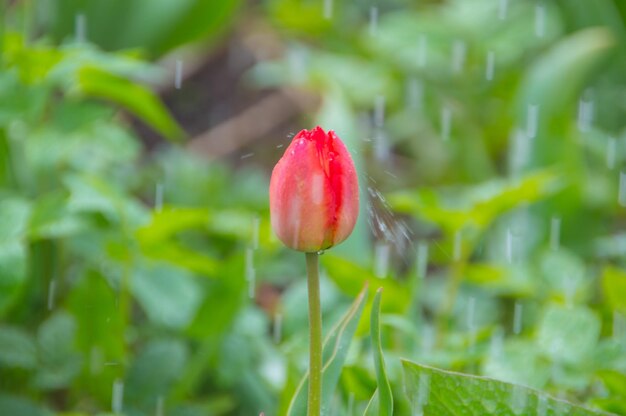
[[59, 361], [14, 216], [51, 219], [350, 278], [477, 206], [17, 348], [517, 361], [382, 402], [565, 276], [19, 406], [170, 296], [99, 324], [154, 370], [446, 393], [334, 354], [137, 99], [614, 286], [568, 335]]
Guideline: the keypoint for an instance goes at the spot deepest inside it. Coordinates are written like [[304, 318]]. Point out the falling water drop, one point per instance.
[[490, 67], [585, 114], [542, 405], [382, 252], [277, 331], [178, 74], [517, 318], [160, 406], [540, 20], [458, 246], [619, 326], [414, 94], [502, 9], [351, 404], [622, 189], [117, 399], [328, 9], [459, 50], [256, 224], [532, 120], [250, 272], [446, 120], [521, 148], [51, 293], [379, 111], [373, 20], [555, 233], [509, 246], [610, 153], [80, 28], [422, 260], [158, 197], [519, 399], [422, 51]]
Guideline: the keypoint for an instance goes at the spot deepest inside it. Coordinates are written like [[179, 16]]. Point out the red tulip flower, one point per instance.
[[314, 192]]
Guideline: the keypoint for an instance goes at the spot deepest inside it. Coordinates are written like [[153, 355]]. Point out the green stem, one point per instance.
[[315, 338]]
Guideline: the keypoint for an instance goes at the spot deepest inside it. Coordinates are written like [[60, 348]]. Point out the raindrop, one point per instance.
[[446, 120], [517, 318], [459, 50], [158, 197], [423, 389], [51, 293], [415, 94], [382, 253], [542, 406], [279, 146], [428, 338], [422, 51], [373, 20], [502, 8], [160, 406], [610, 152], [178, 74], [250, 272], [622, 189], [471, 307], [351, 404], [247, 155], [80, 28], [277, 330], [540, 20], [117, 398], [496, 345], [379, 111], [619, 326], [585, 114], [256, 225], [532, 120], [519, 400], [555, 233], [422, 260], [520, 150], [458, 246], [509, 246], [328, 9], [491, 63], [382, 151]]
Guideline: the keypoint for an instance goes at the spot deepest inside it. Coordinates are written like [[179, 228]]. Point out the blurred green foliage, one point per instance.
[[490, 132]]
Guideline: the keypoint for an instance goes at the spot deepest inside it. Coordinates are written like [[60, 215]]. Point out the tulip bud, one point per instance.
[[314, 192]]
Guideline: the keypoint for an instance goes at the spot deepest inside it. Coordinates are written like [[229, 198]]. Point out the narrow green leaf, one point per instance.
[[382, 395], [445, 393], [334, 355], [136, 98]]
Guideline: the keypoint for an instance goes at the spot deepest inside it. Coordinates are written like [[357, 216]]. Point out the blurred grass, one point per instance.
[[153, 267]]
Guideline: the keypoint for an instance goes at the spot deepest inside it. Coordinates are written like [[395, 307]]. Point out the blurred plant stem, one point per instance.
[[315, 335]]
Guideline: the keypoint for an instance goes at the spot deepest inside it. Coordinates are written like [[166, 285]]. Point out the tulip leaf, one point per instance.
[[446, 393], [382, 402], [334, 353]]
